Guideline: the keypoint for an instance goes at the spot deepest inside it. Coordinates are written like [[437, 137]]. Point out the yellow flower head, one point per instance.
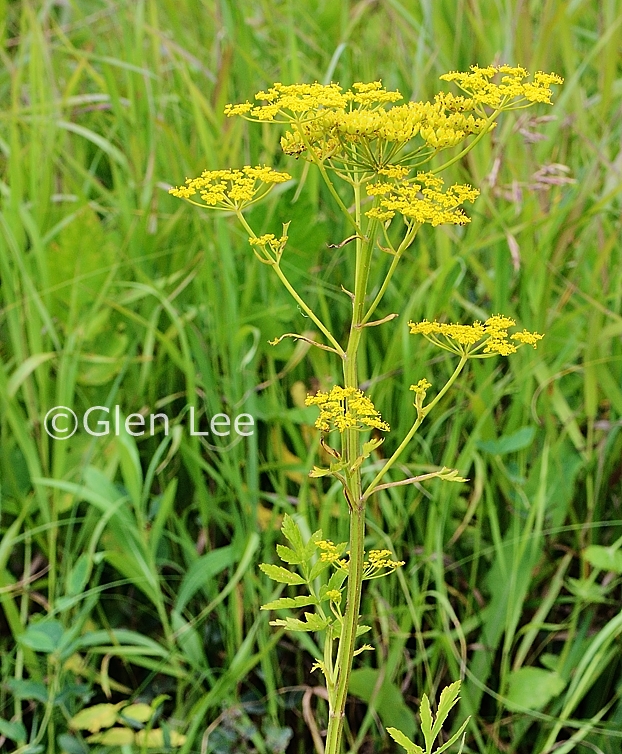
[[230, 189], [345, 408], [330, 552], [271, 241], [513, 89], [477, 340], [364, 129], [380, 564], [422, 201], [285, 102]]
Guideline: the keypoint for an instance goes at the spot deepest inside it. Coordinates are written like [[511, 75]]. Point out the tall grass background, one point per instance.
[[128, 566]]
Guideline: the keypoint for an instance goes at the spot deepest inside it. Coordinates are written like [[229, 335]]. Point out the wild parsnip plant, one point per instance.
[[383, 155]]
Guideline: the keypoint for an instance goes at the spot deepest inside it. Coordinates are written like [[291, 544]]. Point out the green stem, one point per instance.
[[352, 450], [406, 242], [306, 309], [421, 416]]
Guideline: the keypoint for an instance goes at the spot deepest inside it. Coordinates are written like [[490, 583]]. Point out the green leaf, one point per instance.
[[449, 696], [27, 689], [518, 440], [313, 622], [79, 575], [404, 741], [291, 532], [533, 688], [280, 574], [371, 445], [289, 602], [24, 370], [426, 722], [14, 731], [317, 472], [318, 567], [336, 580], [454, 738], [388, 701], [45, 636], [96, 717], [287, 555], [202, 572], [311, 546], [605, 558], [359, 631]]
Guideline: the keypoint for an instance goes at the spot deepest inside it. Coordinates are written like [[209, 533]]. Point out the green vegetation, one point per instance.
[[129, 571]]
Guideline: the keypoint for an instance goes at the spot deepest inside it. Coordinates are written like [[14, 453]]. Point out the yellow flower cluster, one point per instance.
[[380, 564], [421, 387], [295, 101], [230, 189], [345, 408], [270, 240], [478, 339], [512, 91], [362, 129], [373, 139], [331, 553], [423, 201]]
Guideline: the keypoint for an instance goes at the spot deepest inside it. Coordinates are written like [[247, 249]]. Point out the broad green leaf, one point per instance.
[[45, 636], [287, 555], [533, 688], [449, 696], [518, 440], [96, 717], [404, 741], [289, 602], [27, 689], [291, 532], [280, 574], [605, 558], [388, 700], [14, 731], [426, 722]]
